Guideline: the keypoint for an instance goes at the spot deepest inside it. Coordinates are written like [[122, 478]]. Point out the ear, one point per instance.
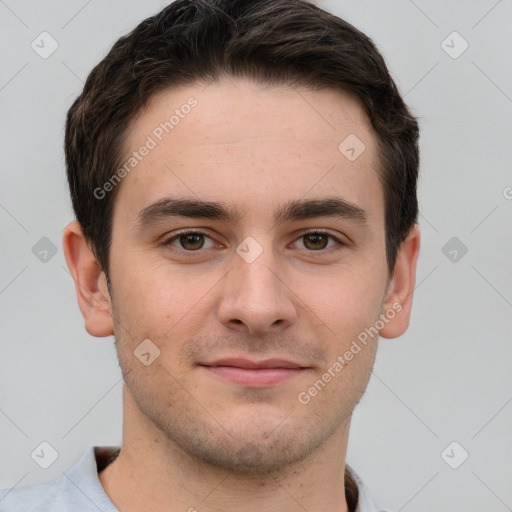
[[90, 282], [398, 301]]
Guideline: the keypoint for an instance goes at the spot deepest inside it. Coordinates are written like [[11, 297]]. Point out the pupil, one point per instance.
[[194, 239], [317, 240]]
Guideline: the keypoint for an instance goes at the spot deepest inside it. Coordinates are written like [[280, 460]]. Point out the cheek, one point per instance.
[[346, 299], [157, 301]]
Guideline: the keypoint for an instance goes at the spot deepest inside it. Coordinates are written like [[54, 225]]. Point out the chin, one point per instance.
[[252, 457], [252, 447]]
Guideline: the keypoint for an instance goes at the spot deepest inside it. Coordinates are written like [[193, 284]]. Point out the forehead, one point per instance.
[[251, 145]]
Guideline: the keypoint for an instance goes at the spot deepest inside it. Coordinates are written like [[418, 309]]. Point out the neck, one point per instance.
[[153, 473]]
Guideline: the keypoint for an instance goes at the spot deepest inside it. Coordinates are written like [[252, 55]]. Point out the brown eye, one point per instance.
[[191, 241], [316, 241]]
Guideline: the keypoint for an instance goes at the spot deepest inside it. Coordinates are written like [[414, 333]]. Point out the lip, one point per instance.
[[254, 374], [239, 362]]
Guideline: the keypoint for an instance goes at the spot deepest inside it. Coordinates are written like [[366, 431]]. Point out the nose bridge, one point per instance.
[[259, 277], [255, 296]]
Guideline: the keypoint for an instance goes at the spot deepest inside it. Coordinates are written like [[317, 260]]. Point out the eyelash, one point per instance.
[[169, 241]]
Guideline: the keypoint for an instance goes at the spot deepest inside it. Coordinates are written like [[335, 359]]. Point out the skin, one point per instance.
[[192, 439]]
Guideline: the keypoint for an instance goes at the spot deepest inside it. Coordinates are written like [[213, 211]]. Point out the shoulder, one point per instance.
[[77, 489], [44, 497], [365, 502]]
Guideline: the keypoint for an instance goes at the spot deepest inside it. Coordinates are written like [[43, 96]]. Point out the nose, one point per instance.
[[256, 297]]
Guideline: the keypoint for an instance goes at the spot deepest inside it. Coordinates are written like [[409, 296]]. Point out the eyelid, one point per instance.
[[321, 231], [315, 231], [308, 231], [186, 231]]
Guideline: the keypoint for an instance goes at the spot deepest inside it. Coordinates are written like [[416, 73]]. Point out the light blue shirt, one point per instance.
[[79, 490]]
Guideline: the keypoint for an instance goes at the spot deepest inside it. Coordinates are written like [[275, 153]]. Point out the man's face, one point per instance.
[[239, 291]]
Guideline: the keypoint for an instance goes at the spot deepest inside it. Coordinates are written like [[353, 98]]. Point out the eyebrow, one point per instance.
[[290, 211]]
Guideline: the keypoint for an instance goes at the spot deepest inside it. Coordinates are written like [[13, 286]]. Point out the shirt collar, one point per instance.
[[82, 489]]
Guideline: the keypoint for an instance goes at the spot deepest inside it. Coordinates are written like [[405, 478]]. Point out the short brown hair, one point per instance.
[[285, 42]]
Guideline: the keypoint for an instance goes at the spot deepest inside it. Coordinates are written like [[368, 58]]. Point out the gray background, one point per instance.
[[447, 379]]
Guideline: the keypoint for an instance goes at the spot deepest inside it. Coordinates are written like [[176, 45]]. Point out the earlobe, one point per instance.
[[398, 302], [90, 282]]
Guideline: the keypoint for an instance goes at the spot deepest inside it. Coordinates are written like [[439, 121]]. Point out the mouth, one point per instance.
[[254, 374]]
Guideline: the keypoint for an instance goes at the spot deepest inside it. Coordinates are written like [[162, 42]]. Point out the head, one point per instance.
[[251, 126]]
